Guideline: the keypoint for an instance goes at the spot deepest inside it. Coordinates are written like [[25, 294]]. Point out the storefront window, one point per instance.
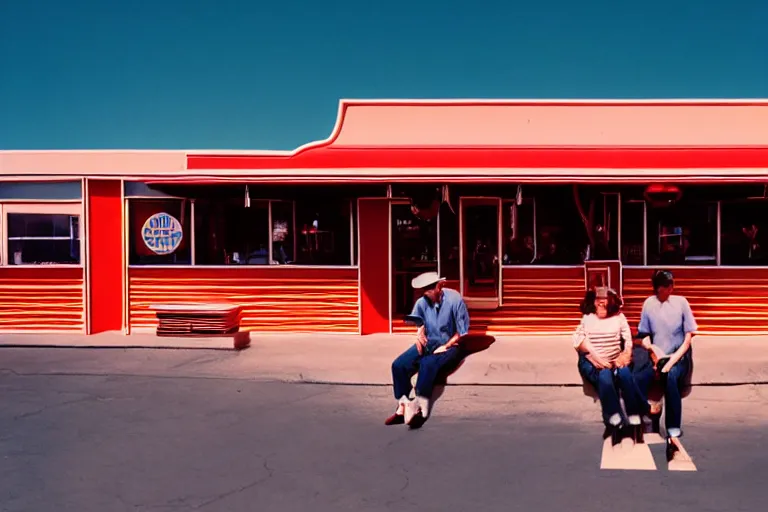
[[323, 232], [159, 232], [43, 238], [229, 233], [744, 233], [561, 237], [519, 231], [683, 234], [40, 233]]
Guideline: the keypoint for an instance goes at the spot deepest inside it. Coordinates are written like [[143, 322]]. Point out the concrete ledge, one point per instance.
[[366, 360], [114, 340]]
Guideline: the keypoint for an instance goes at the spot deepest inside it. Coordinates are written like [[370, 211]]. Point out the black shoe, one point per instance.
[[417, 421], [617, 436], [638, 432], [671, 449], [616, 433]]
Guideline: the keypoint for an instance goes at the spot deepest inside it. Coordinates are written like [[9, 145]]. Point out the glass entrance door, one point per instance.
[[481, 252], [414, 250]]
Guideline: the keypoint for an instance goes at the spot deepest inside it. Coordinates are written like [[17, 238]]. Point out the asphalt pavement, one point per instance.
[[86, 438]]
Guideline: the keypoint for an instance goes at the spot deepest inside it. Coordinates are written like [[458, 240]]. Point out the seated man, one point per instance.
[[445, 320]]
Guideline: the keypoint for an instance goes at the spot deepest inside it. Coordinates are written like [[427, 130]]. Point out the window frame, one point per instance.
[[353, 245], [41, 208]]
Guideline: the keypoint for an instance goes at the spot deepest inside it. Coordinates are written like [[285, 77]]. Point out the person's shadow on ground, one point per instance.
[[470, 344]]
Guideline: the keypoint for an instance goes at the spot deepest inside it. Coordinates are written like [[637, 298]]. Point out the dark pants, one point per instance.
[[410, 362], [673, 385], [608, 384]]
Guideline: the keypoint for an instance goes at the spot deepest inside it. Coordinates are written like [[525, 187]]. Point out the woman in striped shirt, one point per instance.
[[604, 342]]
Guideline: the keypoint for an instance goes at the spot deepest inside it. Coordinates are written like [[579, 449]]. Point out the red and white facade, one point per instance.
[[381, 145]]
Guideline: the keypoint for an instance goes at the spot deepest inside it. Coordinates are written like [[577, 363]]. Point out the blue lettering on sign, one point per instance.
[[162, 233]]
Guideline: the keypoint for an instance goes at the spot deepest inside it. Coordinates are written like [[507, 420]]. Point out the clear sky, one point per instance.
[[256, 74]]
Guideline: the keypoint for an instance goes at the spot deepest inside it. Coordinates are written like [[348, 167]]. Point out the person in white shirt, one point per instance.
[[603, 340]]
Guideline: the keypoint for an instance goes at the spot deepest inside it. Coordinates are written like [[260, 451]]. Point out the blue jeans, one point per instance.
[[428, 366], [673, 385], [608, 384]]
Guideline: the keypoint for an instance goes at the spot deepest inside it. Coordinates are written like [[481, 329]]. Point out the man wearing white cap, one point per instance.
[[443, 319]]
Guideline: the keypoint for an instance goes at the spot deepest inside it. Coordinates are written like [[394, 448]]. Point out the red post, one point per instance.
[[105, 246], [373, 218]]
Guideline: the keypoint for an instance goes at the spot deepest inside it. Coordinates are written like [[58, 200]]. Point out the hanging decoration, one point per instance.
[[446, 198]]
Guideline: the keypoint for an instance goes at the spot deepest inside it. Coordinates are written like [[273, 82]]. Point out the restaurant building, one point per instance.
[[519, 204]]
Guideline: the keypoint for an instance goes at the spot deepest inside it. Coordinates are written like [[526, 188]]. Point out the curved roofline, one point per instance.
[[558, 102], [345, 103]]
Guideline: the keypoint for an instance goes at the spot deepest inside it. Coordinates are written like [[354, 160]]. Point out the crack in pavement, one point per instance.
[[29, 414], [251, 485]]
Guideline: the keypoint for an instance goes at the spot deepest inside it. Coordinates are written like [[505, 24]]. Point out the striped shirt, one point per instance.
[[605, 334]]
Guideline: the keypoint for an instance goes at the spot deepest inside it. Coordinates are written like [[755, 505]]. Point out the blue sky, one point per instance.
[[227, 74]]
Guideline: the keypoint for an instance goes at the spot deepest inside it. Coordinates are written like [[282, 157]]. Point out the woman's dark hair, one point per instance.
[[662, 278], [587, 306], [613, 304]]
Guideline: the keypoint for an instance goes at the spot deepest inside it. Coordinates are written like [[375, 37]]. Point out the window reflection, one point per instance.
[[38, 238], [683, 234], [744, 233], [228, 233]]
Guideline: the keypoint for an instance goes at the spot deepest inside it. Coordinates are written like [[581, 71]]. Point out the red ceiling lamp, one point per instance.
[[661, 194]]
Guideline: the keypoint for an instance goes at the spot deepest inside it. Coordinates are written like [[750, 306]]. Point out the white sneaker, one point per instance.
[[423, 405], [411, 410]]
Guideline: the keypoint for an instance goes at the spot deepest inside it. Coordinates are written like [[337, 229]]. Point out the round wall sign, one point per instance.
[[162, 233]]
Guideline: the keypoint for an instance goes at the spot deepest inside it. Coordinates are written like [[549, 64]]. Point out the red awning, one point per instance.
[[371, 159]]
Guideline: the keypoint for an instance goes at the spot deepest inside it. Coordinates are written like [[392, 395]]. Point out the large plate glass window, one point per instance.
[[46, 234]]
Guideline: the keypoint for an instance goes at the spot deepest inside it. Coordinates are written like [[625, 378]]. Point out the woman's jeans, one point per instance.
[[673, 382], [608, 384]]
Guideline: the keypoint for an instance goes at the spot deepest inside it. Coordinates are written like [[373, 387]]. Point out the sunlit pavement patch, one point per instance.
[[630, 456], [681, 461], [627, 455]]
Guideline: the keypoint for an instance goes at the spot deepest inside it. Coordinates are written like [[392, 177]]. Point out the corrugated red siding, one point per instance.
[[536, 300], [724, 300], [274, 299], [41, 299]]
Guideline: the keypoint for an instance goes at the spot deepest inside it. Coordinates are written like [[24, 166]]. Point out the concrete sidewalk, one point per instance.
[[350, 359]]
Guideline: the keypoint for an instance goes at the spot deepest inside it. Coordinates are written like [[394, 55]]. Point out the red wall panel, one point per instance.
[[726, 300], [274, 299], [373, 215], [105, 244], [41, 299]]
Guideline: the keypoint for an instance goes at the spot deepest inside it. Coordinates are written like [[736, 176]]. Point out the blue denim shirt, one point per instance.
[[443, 319], [667, 322]]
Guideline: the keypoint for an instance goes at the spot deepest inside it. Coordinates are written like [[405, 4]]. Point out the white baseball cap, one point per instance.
[[426, 280]]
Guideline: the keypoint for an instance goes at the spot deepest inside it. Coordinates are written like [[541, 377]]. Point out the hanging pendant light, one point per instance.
[[247, 198]]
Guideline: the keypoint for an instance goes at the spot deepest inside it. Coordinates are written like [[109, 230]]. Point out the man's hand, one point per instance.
[[598, 362], [421, 340], [623, 360], [440, 349], [668, 366], [657, 352]]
